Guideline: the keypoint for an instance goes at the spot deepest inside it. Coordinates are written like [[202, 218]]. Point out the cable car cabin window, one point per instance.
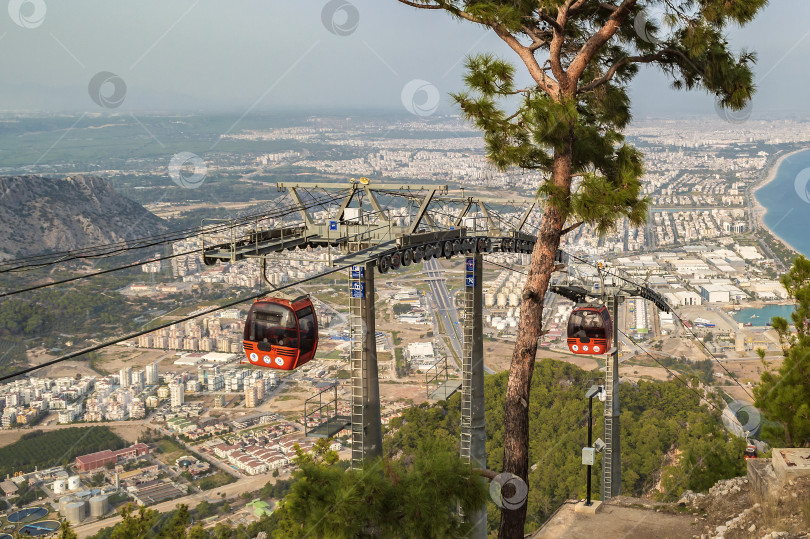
[[306, 325], [586, 324], [274, 324]]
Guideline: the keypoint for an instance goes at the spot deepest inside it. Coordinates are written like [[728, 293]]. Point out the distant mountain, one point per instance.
[[41, 215]]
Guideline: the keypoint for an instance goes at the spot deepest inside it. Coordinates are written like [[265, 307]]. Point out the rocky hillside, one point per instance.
[[731, 510], [40, 215]]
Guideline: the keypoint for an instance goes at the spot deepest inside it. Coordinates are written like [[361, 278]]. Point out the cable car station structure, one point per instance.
[[369, 240]]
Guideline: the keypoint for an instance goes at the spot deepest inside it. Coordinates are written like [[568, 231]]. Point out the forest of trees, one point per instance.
[[45, 449], [657, 418]]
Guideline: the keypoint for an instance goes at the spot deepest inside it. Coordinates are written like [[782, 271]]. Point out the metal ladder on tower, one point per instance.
[[607, 456], [359, 380], [466, 376]]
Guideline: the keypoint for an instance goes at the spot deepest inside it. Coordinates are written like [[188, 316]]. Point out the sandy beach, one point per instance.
[[759, 209]]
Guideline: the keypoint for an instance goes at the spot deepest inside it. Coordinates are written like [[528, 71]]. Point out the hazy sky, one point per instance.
[[233, 55]]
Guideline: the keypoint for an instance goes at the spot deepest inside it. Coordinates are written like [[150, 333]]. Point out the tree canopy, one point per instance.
[[420, 495], [784, 396], [666, 432]]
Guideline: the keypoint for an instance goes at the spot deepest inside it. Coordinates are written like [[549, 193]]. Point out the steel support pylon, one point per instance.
[[612, 457], [365, 386], [473, 433]]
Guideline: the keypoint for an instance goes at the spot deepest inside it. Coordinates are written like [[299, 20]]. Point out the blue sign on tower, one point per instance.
[[332, 225], [358, 272], [470, 281], [358, 290], [470, 264]]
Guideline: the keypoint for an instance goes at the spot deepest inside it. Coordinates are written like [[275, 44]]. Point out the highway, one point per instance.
[[445, 308]]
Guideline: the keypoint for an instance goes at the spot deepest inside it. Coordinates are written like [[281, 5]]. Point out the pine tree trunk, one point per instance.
[[516, 440]]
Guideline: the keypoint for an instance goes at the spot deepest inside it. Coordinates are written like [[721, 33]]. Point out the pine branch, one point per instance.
[[571, 228], [645, 59], [595, 42], [555, 50], [546, 83], [489, 474], [420, 6]]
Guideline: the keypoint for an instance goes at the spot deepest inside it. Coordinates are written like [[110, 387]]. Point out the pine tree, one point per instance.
[[134, 522], [421, 495], [67, 531], [568, 124], [785, 396]]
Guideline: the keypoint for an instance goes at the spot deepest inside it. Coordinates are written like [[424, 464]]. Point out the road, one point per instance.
[[444, 303], [445, 308]]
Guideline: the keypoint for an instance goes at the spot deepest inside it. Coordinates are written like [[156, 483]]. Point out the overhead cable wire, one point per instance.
[[628, 280], [110, 270], [637, 345], [136, 334], [105, 250]]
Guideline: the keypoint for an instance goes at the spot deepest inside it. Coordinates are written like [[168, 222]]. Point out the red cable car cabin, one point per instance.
[[590, 330], [281, 334], [750, 452]]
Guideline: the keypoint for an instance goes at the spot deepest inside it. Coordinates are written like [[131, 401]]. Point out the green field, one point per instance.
[[45, 449], [169, 450], [217, 480]]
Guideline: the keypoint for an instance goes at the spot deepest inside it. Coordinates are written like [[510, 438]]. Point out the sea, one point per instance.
[[787, 201], [762, 316]]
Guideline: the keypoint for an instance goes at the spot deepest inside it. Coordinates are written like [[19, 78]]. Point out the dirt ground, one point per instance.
[[642, 372], [67, 368], [115, 358], [685, 346], [396, 391]]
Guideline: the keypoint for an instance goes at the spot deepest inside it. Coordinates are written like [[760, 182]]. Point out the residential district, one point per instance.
[[703, 249]]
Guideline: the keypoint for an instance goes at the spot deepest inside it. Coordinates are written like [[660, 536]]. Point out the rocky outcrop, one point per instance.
[[41, 215]]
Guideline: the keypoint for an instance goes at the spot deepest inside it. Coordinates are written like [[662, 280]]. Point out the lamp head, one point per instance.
[[593, 391]]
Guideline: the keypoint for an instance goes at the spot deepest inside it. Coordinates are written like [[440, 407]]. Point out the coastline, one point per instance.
[[760, 210]]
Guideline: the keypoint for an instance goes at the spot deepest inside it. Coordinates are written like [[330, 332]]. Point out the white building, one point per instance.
[[125, 377], [176, 395], [152, 376]]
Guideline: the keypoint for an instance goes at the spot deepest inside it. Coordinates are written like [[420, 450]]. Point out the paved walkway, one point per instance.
[[616, 521]]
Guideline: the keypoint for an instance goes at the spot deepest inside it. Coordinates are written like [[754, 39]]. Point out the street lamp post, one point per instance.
[[589, 451], [590, 441]]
